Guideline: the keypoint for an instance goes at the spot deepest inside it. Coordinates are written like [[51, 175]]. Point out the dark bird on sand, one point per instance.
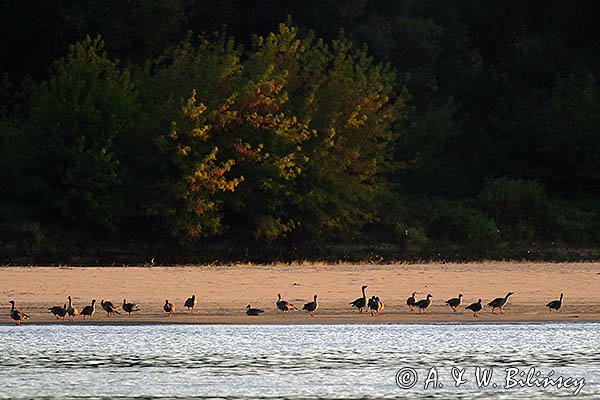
[[284, 305], [253, 312], [556, 304], [130, 307], [72, 310], [89, 311], [411, 301], [499, 303], [311, 307], [379, 306], [424, 304], [361, 302], [454, 302], [169, 308], [17, 315], [475, 307], [190, 303], [372, 305], [58, 311], [109, 307]]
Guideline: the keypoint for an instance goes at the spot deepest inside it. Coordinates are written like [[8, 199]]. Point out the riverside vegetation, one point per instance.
[[127, 130]]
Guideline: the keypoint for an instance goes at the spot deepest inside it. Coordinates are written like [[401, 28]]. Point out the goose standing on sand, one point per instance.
[[499, 303], [411, 301], [424, 304], [379, 306], [169, 308], [58, 311], [190, 303], [130, 307], [253, 312], [284, 306], [89, 311], [372, 305], [361, 302], [475, 307], [109, 307], [454, 302], [555, 304], [17, 315], [311, 307], [72, 311], [63, 313]]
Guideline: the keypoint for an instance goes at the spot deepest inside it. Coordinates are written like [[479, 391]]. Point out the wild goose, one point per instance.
[[555, 304], [361, 302], [253, 312], [169, 308], [72, 311], [411, 301], [63, 312], [379, 306], [190, 303], [17, 315], [311, 307], [284, 306], [475, 307], [58, 311], [129, 307], [454, 302], [372, 305], [89, 311], [499, 303], [109, 307], [422, 305]]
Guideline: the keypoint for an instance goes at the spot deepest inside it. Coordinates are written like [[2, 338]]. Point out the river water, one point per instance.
[[295, 361]]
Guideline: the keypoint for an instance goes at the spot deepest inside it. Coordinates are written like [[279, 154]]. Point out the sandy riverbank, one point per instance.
[[224, 291]]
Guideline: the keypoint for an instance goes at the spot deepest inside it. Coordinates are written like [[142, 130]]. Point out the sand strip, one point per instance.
[[224, 291]]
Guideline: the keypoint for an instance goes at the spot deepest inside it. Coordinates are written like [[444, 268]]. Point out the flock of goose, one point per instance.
[[374, 306]]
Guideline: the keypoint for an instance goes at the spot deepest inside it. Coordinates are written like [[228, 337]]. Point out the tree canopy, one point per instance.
[[421, 124]]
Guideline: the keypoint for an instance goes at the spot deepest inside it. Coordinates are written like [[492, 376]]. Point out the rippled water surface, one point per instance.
[[292, 362]]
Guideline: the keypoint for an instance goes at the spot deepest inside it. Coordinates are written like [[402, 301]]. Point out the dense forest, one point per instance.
[[229, 129]]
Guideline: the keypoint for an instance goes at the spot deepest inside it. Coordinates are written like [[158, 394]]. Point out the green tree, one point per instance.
[[221, 128], [349, 103], [77, 116]]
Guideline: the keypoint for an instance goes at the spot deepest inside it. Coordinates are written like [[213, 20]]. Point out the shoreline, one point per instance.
[[95, 323], [224, 291]]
